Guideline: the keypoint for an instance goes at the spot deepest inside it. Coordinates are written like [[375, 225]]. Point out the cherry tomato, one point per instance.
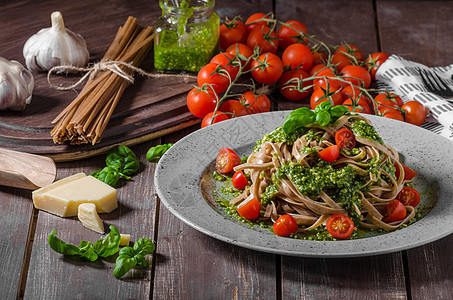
[[228, 61], [393, 211], [226, 160], [316, 69], [239, 181], [291, 82], [219, 117], [383, 97], [319, 57], [353, 92], [374, 61], [252, 22], [340, 226], [256, 103], [361, 105], [201, 101], [298, 56], [333, 84], [393, 114], [242, 51], [321, 82], [267, 68], [250, 210], [285, 225], [235, 108], [345, 139], [339, 60], [214, 75], [289, 33], [409, 196], [263, 38], [356, 75], [351, 51], [232, 32], [415, 112], [330, 154], [409, 174], [320, 95]]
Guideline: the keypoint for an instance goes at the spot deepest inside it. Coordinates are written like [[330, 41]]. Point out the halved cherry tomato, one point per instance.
[[415, 112], [393, 211], [226, 160], [345, 139], [409, 174], [219, 117], [409, 196], [250, 210], [330, 153], [239, 181], [285, 225], [340, 226]]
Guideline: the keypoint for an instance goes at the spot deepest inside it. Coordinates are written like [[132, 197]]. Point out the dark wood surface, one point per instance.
[[188, 264]]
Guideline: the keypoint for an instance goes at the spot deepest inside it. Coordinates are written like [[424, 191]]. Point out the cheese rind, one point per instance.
[[63, 197], [125, 239], [89, 217]]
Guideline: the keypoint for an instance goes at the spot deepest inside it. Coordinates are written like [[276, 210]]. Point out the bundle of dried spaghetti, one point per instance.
[[85, 119]]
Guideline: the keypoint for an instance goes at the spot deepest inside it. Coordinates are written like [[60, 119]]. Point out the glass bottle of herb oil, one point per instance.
[[186, 35]]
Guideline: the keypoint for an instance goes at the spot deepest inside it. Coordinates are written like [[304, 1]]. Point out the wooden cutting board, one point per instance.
[[149, 108]]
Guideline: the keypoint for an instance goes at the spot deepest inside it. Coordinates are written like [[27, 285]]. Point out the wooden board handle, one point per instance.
[[24, 170]]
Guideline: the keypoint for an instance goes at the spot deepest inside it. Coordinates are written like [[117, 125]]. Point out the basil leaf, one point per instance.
[[323, 118], [323, 106], [154, 153], [124, 262], [108, 175], [123, 159], [129, 257], [108, 245], [338, 111], [297, 119], [61, 247], [87, 251]]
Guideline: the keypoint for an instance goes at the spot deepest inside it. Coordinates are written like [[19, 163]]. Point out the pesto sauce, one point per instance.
[[278, 136], [365, 130]]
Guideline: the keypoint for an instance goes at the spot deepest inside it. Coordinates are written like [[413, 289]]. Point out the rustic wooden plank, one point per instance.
[[428, 41], [16, 208], [68, 277], [150, 105], [192, 265], [309, 278]]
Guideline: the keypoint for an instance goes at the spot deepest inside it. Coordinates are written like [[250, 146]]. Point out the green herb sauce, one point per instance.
[[365, 130], [278, 136]]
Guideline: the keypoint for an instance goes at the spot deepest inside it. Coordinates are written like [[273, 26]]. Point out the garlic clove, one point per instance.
[[55, 46], [16, 85]]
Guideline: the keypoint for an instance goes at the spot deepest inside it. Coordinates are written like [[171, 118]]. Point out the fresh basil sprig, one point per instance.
[[154, 153], [121, 162], [323, 115], [130, 257]]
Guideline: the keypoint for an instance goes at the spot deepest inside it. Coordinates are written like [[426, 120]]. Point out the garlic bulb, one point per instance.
[[16, 85], [55, 46]]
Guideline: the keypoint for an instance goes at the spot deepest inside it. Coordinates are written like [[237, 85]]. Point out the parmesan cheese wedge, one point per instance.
[[64, 196], [89, 217]]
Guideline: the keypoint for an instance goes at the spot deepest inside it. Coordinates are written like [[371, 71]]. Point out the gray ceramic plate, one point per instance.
[[179, 172]]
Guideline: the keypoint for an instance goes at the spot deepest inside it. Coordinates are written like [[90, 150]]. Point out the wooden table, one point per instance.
[[188, 264]]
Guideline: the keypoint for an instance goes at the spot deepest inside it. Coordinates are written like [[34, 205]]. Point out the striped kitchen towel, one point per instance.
[[401, 76]]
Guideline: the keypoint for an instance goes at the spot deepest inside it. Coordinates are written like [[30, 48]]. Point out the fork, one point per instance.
[[435, 84]]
